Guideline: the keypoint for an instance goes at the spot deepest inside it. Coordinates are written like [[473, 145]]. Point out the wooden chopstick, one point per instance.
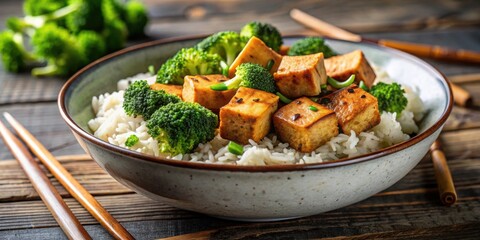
[[422, 50], [69, 182], [460, 96], [446, 188], [47, 192]]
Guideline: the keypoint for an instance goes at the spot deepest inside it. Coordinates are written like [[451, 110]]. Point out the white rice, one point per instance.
[[112, 124]]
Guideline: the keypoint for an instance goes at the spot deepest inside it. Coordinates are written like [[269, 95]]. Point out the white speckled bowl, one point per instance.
[[252, 193]]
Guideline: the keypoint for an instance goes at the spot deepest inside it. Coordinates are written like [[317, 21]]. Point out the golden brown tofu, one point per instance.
[[248, 115], [356, 109], [172, 89], [197, 89], [305, 124], [300, 76], [343, 66], [255, 51]]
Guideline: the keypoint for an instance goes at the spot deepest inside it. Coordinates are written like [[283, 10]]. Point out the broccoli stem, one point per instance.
[[28, 56], [229, 84], [49, 70], [39, 21], [337, 84]]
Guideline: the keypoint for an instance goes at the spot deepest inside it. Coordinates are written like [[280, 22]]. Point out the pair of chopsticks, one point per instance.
[[448, 195], [47, 192], [461, 96]]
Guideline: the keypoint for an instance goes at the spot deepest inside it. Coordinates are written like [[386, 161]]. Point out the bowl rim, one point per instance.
[[246, 168]]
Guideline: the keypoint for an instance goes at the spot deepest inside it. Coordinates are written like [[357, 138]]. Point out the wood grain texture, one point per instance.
[[409, 205]]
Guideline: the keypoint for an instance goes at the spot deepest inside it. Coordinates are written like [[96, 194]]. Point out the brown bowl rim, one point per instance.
[[268, 168]]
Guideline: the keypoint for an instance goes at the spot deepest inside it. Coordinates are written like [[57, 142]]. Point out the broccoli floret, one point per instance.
[[60, 49], [113, 9], [89, 16], [115, 34], [15, 57], [390, 97], [188, 61], [249, 75], [140, 99], [227, 44], [22, 24], [180, 127], [136, 19], [40, 7], [266, 32], [91, 44], [310, 45]]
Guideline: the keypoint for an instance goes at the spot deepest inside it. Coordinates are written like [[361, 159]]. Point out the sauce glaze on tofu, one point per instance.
[[305, 125], [248, 115], [355, 108], [197, 89]]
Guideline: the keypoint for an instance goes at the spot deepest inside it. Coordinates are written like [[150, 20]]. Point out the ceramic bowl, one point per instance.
[[254, 193]]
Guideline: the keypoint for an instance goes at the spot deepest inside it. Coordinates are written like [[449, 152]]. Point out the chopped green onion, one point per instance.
[[132, 140], [313, 108], [337, 84], [270, 64], [363, 86], [235, 148], [283, 98], [323, 87], [151, 69], [219, 87], [225, 68]]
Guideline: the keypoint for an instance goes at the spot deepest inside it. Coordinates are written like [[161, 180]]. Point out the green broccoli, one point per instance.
[[22, 24], [188, 61], [60, 49], [136, 18], [115, 34], [249, 75], [89, 16], [40, 7], [390, 97], [227, 44], [180, 127], [266, 32], [310, 45], [132, 140], [15, 57], [113, 9], [91, 44], [140, 99]]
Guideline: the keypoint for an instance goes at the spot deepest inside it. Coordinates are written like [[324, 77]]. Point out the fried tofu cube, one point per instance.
[[305, 125], [256, 51], [169, 88], [197, 89], [248, 115], [355, 108], [300, 76], [343, 66]]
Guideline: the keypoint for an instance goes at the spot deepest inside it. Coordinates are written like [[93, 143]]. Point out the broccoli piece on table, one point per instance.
[[136, 18], [390, 97], [60, 49], [227, 44], [41, 7], [310, 45], [188, 61], [22, 24], [140, 99], [91, 44], [115, 34], [249, 75], [266, 32], [89, 16], [180, 127], [15, 57]]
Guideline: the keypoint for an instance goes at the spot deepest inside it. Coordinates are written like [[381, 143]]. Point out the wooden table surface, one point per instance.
[[409, 209]]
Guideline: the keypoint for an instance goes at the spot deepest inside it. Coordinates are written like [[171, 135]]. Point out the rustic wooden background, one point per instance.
[[409, 209]]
